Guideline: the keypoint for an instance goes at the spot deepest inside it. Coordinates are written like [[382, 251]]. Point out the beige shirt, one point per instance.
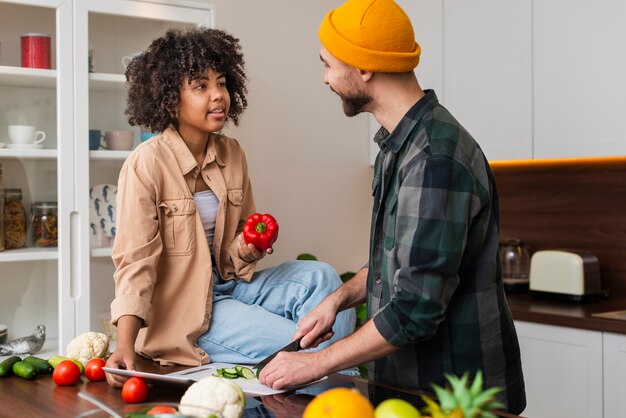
[[163, 264]]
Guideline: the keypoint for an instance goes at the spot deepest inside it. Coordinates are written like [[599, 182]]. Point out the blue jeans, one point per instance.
[[252, 320]]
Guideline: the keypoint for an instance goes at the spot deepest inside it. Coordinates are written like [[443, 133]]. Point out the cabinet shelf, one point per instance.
[[27, 77], [107, 82], [29, 254], [109, 155], [101, 252], [35, 154]]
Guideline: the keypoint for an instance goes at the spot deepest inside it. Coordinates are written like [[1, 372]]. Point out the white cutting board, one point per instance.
[[251, 387]]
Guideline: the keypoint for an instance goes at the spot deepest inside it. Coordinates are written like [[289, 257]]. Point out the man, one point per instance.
[[433, 285]]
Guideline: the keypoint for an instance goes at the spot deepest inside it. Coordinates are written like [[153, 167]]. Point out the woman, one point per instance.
[[186, 288]]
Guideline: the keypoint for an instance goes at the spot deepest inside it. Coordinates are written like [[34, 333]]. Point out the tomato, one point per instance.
[[66, 373], [161, 409], [93, 370], [135, 390]]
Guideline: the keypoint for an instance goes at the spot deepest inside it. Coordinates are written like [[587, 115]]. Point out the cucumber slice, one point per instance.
[[230, 375], [246, 373], [230, 370]]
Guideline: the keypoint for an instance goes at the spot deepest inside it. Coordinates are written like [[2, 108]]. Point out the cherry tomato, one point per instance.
[[66, 373], [161, 409], [93, 370], [135, 390]]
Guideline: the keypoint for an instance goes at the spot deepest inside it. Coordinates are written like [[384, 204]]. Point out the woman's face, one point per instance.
[[204, 104]]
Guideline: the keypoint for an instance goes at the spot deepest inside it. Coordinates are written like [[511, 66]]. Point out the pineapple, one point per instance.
[[461, 401]]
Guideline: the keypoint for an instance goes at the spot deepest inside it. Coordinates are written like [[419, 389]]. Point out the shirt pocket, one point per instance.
[[376, 193], [233, 211], [389, 242], [178, 226]]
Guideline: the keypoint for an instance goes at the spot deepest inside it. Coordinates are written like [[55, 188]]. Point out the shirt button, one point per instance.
[[379, 280], [174, 208]]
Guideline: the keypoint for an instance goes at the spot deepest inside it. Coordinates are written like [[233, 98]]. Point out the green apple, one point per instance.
[[396, 408]]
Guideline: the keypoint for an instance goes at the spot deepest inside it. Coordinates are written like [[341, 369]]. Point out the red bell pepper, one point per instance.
[[260, 230]]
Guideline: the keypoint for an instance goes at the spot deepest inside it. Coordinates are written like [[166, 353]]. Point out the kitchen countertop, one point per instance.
[[41, 398], [525, 307]]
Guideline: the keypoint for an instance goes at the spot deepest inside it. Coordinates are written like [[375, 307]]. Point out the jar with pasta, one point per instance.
[[45, 224], [14, 219]]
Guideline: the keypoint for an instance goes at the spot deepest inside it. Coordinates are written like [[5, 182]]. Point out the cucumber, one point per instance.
[[258, 371], [6, 367], [25, 370], [56, 359], [42, 365]]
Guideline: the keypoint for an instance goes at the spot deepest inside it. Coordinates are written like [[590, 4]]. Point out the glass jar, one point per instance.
[[45, 225], [14, 219]]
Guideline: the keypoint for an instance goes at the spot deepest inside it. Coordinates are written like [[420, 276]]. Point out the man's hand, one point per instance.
[[120, 359], [317, 326], [248, 252], [292, 369]]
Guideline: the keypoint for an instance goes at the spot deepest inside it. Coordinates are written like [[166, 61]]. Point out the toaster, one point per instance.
[[565, 274]]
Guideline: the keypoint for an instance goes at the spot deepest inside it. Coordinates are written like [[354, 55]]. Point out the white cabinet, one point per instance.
[[528, 79], [614, 375], [487, 73], [562, 371], [65, 287], [579, 88]]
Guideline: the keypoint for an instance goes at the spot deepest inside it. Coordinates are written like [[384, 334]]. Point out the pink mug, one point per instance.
[[119, 140]]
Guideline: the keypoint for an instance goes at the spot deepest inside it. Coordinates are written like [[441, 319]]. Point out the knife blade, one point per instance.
[[292, 346]]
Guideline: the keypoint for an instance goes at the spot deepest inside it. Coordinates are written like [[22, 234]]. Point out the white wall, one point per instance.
[[308, 162]]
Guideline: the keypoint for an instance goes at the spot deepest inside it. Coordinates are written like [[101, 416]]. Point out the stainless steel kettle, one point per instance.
[[515, 262]]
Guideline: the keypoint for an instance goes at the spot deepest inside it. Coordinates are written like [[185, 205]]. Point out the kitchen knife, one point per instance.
[[292, 346]]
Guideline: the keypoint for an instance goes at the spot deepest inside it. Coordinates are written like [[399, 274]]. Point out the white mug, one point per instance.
[[126, 59], [26, 134]]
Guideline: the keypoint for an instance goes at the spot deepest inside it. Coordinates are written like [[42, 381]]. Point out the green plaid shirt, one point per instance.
[[434, 284]]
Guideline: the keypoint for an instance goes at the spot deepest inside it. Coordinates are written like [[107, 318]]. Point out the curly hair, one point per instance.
[[154, 77]]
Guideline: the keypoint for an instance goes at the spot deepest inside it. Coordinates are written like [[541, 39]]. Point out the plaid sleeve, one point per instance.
[[431, 217]]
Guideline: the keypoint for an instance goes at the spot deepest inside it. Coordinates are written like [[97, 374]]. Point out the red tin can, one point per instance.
[[35, 50]]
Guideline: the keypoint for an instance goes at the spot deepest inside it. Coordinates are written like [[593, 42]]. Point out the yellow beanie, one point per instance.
[[371, 35]]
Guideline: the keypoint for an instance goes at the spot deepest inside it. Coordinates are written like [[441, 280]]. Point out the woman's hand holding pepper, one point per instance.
[[248, 252]]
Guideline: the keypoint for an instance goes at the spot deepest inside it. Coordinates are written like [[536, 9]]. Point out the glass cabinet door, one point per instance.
[[35, 128]]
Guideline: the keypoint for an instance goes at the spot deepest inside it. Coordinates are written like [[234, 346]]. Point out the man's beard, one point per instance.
[[354, 103]]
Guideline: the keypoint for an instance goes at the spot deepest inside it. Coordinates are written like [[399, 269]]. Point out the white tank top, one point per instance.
[[206, 204]]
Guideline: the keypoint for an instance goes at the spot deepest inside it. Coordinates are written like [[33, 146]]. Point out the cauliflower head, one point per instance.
[[87, 346], [213, 393]]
